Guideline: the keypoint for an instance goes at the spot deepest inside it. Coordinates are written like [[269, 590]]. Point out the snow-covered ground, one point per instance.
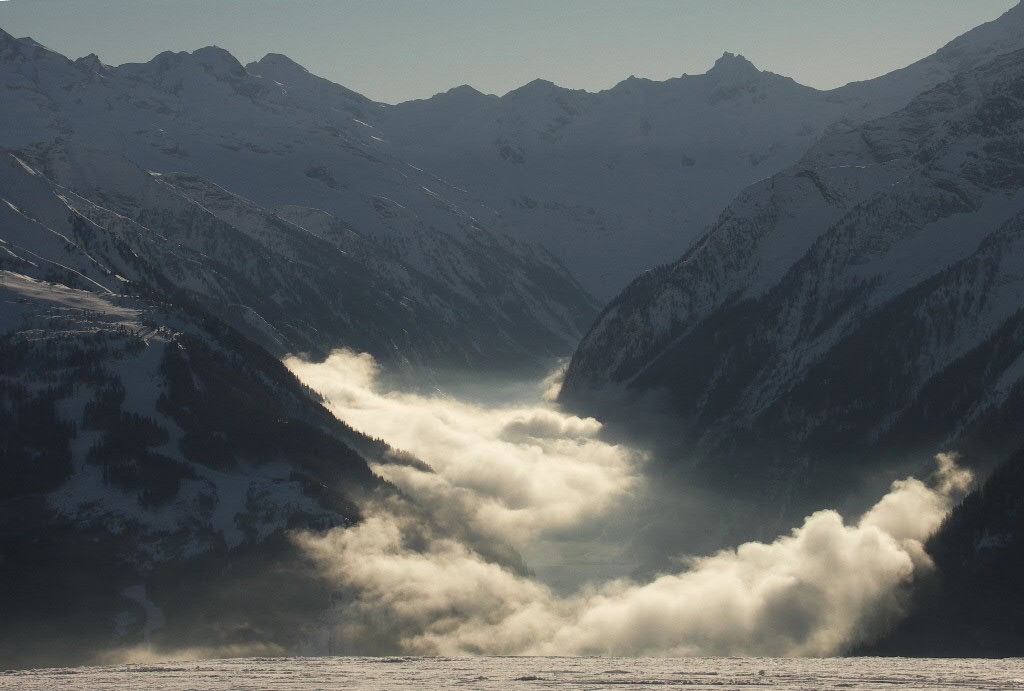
[[501, 673]]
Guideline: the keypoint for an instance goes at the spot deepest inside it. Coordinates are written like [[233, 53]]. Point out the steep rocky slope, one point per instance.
[[859, 309]]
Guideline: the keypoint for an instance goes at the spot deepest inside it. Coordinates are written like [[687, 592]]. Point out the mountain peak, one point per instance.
[[733, 66], [464, 97], [25, 48], [219, 61], [285, 71], [537, 86], [91, 63], [539, 83], [464, 90], [279, 61], [9, 41], [630, 82], [9, 46]]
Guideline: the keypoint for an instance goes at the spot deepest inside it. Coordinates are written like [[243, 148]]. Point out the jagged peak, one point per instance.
[[162, 61], [632, 81], [216, 61], [733, 66], [91, 63]]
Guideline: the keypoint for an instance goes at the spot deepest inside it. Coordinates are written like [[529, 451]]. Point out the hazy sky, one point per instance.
[[395, 50]]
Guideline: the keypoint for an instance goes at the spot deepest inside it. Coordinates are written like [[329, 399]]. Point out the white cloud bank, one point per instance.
[[518, 473], [515, 473]]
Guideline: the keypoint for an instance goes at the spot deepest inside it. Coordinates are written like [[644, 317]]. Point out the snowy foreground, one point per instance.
[[533, 672]]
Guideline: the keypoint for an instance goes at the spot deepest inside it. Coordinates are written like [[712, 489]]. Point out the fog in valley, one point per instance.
[[529, 479]]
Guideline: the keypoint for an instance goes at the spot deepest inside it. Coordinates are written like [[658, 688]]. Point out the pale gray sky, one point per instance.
[[395, 50]]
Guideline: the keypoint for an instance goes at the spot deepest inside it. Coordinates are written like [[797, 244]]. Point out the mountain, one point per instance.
[[971, 604], [170, 229], [152, 462], [976, 47], [276, 207], [616, 182], [167, 232], [855, 312], [610, 182]]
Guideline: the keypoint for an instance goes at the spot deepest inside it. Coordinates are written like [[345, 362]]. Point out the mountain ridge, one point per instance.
[[803, 326], [617, 181], [433, 246]]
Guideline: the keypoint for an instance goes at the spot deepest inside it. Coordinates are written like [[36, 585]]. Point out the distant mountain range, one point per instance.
[[617, 182], [274, 207]]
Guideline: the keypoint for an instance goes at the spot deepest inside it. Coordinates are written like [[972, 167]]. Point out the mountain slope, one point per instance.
[[832, 309], [273, 157], [294, 280], [976, 47], [971, 604], [152, 463]]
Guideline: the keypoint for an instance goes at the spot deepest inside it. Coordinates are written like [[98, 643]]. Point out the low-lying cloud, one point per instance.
[[523, 473], [516, 473]]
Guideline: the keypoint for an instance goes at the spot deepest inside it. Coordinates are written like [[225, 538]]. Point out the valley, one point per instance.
[[721, 365]]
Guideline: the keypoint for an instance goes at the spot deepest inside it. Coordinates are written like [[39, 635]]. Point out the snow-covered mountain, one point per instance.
[[277, 207], [152, 460], [167, 232], [857, 309], [610, 182], [169, 229], [976, 47], [616, 182]]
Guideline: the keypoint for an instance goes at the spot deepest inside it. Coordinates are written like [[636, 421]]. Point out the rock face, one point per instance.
[[279, 209], [858, 309], [617, 182]]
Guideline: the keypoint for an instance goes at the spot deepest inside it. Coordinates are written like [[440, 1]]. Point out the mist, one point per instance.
[[523, 475], [543, 481]]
